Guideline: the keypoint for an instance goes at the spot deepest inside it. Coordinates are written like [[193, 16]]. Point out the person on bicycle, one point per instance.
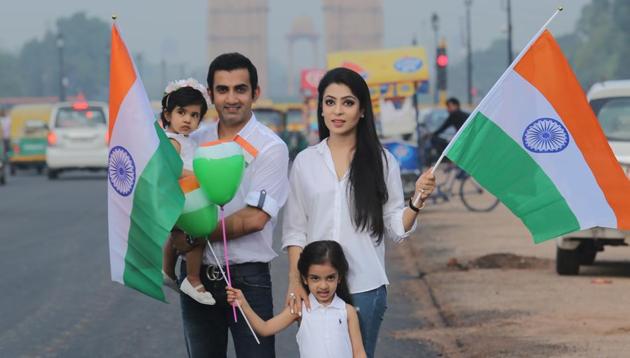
[[456, 118]]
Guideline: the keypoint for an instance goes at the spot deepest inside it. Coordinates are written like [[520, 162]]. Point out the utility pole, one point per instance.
[[62, 77], [435, 24], [468, 4], [163, 72], [509, 32]]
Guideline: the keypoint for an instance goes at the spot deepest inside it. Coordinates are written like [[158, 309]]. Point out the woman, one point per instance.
[[348, 189]]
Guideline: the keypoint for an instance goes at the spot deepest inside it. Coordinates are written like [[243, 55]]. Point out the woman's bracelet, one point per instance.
[[413, 207]]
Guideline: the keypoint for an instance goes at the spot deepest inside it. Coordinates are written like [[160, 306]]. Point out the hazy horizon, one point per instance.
[[178, 33]]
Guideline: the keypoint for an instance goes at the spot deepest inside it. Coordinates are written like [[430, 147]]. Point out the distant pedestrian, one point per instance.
[[348, 189], [5, 122], [330, 329]]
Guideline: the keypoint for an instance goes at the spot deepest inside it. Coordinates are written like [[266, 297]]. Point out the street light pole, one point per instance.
[[62, 85], [468, 4], [435, 23], [509, 32]]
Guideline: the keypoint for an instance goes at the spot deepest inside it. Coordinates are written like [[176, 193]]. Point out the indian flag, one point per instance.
[[144, 197], [535, 144]]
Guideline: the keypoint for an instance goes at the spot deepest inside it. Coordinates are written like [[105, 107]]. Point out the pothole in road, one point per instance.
[[502, 261], [510, 261]]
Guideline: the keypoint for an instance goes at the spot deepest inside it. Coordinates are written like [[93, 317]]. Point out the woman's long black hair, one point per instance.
[[323, 252], [182, 97], [367, 184]]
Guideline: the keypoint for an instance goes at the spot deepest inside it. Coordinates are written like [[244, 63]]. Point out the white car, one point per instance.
[[611, 103], [77, 137]]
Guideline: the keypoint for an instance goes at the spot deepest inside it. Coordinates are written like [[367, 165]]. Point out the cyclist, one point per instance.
[[456, 118]]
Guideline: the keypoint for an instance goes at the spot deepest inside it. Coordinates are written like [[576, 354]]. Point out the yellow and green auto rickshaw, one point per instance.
[[268, 114], [28, 137], [296, 134]]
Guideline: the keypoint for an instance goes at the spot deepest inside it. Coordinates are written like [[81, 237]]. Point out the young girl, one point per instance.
[[331, 327], [348, 189], [184, 104]]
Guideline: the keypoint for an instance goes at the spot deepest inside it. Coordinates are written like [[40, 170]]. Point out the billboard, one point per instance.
[[309, 80], [390, 73]]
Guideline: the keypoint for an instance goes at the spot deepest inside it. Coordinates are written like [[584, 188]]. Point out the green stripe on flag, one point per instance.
[[503, 167], [157, 203]]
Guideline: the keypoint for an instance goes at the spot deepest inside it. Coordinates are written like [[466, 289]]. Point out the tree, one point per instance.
[[598, 50], [10, 82], [86, 62]]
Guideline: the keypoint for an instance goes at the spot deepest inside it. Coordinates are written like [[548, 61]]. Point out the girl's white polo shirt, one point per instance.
[[324, 331]]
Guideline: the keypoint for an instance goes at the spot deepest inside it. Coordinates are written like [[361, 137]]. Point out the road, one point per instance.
[[497, 293], [58, 300]]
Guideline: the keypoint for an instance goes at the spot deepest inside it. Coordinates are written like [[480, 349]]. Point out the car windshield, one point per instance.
[[614, 117], [68, 117]]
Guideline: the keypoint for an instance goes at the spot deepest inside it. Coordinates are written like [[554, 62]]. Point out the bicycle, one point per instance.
[[473, 196]]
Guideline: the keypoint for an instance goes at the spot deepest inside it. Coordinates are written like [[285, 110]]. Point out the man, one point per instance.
[[456, 119], [5, 122], [233, 88]]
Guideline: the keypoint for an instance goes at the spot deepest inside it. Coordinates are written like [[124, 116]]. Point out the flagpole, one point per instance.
[[416, 200]]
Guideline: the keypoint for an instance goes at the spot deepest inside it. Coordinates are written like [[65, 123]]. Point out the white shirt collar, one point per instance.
[[245, 131], [337, 303], [322, 146]]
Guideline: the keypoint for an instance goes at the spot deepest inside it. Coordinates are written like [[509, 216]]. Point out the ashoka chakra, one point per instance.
[[546, 135], [121, 171]]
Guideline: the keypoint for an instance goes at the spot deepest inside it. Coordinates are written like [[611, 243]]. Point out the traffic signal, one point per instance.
[[441, 62]]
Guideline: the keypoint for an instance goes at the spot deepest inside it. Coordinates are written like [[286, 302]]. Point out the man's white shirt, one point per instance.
[[266, 171]]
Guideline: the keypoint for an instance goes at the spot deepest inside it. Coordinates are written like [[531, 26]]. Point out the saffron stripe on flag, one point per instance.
[[122, 76]]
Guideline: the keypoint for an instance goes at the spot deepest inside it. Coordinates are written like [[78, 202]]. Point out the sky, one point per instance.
[[176, 30]]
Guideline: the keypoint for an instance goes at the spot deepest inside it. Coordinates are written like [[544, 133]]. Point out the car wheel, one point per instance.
[[53, 174], [567, 261], [3, 180], [40, 170], [588, 252], [12, 169]]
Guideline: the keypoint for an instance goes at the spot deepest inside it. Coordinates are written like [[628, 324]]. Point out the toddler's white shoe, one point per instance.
[[205, 298]]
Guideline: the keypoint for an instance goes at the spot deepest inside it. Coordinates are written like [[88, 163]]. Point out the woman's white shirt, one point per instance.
[[323, 331], [318, 208], [187, 148]]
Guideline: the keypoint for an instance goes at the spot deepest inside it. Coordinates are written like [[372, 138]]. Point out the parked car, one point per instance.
[[77, 138], [27, 139], [611, 103]]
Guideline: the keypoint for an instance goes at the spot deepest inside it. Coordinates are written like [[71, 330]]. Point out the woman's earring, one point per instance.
[[362, 115]]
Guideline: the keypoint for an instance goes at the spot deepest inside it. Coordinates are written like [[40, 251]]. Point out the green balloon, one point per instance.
[[219, 169], [199, 216], [199, 223]]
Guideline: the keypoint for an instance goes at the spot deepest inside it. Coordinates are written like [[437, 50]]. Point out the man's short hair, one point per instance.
[[230, 62], [453, 101]]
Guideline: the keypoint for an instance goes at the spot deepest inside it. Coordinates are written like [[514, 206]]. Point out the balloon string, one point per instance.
[[227, 258]]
